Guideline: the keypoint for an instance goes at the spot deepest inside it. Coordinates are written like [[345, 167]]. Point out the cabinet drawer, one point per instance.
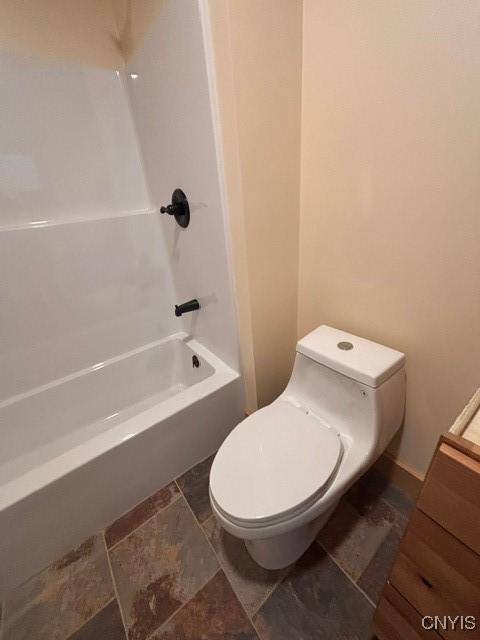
[[396, 619], [438, 574], [451, 494]]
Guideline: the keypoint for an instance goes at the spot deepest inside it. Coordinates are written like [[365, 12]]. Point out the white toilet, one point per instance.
[[280, 473]]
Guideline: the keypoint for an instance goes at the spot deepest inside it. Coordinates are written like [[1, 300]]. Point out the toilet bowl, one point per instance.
[[281, 472]]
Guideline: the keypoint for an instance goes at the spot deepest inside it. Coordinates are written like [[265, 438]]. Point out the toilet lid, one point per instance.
[[273, 463]]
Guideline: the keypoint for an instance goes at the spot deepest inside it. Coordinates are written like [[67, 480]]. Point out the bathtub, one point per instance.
[[78, 452]]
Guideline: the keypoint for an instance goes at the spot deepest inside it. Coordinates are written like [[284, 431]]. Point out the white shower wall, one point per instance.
[[67, 144], [88, 268], [167, 79]]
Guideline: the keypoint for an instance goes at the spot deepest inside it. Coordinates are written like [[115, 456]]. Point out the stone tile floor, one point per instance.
[[167, 571]]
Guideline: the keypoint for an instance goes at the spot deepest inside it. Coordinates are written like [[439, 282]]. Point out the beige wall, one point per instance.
[[390, 196], [102, 33], [133, 19], [258, 49], [82, 31]]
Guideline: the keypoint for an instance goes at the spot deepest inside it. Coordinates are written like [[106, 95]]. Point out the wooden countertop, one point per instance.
[[467, 425]]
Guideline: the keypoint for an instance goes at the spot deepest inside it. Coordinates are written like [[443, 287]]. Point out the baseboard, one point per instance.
[[400, 474]]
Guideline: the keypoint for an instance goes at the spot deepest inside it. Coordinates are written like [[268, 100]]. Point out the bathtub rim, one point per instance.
[[46, 473]]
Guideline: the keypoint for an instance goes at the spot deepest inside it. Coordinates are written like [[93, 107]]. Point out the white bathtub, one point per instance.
[[79, 452]]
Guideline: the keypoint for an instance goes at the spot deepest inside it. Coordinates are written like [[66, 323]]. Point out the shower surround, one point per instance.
[[99, 401]]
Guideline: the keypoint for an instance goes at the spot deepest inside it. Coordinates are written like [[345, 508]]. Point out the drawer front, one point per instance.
[[396, 619], [438, 574], [451, 495]]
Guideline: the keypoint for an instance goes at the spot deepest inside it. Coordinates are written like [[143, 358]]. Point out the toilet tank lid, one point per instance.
[[365, 361]]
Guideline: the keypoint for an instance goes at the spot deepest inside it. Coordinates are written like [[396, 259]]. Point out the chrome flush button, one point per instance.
[[345, 346]]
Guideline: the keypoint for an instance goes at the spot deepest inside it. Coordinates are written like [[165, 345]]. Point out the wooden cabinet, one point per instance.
[[436, 572], [437, 568], [450, 495], [396, 619]]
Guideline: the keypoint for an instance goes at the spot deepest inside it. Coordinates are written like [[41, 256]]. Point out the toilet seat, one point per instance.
[[273, 465]]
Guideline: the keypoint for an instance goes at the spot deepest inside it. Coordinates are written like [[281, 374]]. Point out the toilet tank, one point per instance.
[[354, 385]]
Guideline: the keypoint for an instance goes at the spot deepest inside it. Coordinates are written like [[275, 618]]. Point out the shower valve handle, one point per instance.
[[172, 209], [179, 208]]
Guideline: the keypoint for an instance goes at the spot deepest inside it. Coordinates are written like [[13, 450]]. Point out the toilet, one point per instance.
[[281, 472]]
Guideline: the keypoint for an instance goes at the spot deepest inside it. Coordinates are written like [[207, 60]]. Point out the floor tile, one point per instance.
[[353, 539], [316, 601], [56, 602], [376, 573], [213, 614], [140, 514], [105, 625], [374, 486], [251, 583], [194, 486], [159, 567]]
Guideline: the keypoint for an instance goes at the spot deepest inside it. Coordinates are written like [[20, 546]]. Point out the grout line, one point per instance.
[[262, 602], [178, 487], [346, 575], [115, 590], [251, 621], [174, 481], [178, 497], [202, 529], [270, 592], [251, 617], [90, 618], [219, 561], [201, 526], [204, 585], [222, 568], [18, 615], [210, 517], [128, 534], [114, 546], [102, 534], [182, 606], [137, 504]]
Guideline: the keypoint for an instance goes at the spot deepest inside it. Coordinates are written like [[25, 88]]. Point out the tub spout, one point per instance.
[[191, 305]]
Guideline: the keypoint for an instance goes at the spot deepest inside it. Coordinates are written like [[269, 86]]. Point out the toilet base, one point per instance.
[[280, 551]]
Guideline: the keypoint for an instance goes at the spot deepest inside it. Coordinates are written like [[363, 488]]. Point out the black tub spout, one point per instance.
[[186, 307]]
